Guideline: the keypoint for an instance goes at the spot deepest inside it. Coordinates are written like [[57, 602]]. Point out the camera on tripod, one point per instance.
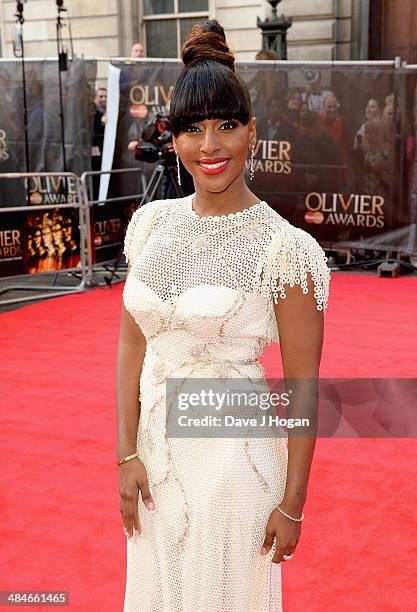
[[156, 144], [156, 147]]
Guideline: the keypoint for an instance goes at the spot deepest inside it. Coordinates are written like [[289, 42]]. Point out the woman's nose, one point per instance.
[[210, 142]]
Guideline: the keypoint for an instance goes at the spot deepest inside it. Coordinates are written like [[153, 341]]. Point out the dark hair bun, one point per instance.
[[207, 41]]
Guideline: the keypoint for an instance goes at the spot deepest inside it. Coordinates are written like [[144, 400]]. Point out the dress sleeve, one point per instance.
[[292, 255], [138, 230]]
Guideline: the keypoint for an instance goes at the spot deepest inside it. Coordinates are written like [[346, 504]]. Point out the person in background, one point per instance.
[[294, 102], [388, 117], [275, 126], [100, 102], [264, 54], [314, 95], [263, 88], [389, 100], [137, 50], [331, 121], [377, 160], [315, 155], [128, 75], [372, 110], [377, 163]]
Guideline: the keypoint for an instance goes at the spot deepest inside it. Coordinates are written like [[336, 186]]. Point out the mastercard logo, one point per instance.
[[314, 217], [35, 198], [139, 111]]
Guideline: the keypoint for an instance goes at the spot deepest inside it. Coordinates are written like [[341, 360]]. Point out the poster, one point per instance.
[[43, 240]]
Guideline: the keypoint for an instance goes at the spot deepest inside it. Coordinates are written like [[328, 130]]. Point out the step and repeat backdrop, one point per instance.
[[335, 153], [336, 144]]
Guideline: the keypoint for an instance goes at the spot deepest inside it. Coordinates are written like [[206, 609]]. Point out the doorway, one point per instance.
[[393, 30]]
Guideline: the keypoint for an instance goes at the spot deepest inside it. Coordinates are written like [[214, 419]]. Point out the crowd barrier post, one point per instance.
[[140, 197], [79, 272]]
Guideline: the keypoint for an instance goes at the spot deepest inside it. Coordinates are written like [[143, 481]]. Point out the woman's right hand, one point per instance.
[[132, 479]]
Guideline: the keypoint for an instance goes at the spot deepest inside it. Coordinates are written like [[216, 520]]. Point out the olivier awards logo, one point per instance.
[[4, 149], [107, 231], [272, 157], [145, 97], [51, 190], [10, 244], [357, 210]]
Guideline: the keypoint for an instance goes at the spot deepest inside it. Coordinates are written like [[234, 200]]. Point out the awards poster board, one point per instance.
[[43, 240]]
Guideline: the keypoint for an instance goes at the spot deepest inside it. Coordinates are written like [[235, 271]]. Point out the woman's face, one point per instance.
[[214, 151], [372, 109]]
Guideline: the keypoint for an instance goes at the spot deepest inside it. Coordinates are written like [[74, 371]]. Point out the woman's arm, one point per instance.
[[132, 474], [301, 330], [300, 327], [130, 356]]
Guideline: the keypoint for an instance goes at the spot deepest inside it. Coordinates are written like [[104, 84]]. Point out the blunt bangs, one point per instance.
[[208, 90]]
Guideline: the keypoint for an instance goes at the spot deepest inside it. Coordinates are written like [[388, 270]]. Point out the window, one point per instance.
[[168, 22]]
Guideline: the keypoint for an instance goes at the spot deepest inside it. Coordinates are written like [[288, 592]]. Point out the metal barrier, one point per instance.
[[77, 271], [146, 194]]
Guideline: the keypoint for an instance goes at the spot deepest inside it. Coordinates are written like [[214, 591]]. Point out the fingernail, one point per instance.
[[263, 550], [151, 507]]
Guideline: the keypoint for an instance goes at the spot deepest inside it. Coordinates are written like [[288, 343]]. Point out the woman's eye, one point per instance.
[[228, 124], [190, 128]]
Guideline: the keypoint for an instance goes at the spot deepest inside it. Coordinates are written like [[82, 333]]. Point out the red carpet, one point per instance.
[[59, 509]]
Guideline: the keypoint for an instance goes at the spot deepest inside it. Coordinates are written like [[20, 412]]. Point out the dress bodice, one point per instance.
[[207, 285]]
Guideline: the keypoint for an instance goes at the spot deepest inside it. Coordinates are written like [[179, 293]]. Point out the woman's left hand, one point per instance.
[[286, 532]]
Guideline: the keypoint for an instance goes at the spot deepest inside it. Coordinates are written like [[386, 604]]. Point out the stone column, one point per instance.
[[128, 26]]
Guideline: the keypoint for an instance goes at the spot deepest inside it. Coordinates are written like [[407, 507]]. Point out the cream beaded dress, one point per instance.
[[202, 290]]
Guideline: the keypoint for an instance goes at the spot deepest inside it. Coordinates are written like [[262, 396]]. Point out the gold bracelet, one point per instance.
[[120, 461]]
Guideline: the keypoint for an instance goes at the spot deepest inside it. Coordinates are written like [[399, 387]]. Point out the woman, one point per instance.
[[211, 277], [377, 159], [372, 111]]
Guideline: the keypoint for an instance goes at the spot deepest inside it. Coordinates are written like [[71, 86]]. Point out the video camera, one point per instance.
[[156, 142]]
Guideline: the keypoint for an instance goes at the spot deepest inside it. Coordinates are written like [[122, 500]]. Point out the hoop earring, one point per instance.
[[252, 163], [178, 168]]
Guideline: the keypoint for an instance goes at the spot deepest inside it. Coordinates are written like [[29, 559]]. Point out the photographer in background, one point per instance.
[[155, 146]]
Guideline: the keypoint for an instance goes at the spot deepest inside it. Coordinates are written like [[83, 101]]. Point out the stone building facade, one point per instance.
[[321, 30]]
